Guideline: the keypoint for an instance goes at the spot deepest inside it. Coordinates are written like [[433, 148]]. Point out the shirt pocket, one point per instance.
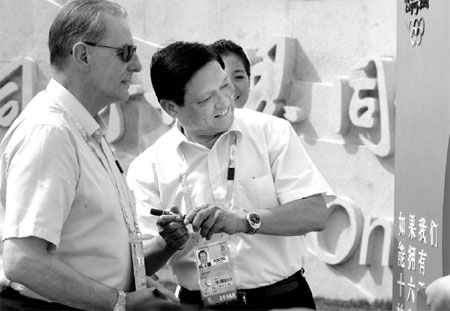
[[256, 193]]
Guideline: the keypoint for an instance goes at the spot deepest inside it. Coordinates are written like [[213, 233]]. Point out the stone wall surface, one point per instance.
[[327, 66]]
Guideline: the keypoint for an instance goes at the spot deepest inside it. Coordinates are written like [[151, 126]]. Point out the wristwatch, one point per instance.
[[254, 221], [121, 303]]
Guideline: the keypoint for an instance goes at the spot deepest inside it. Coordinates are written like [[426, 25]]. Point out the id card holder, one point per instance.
[[215, 274], [137, 252]]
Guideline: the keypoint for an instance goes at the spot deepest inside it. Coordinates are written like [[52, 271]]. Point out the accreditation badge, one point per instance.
[[137, 252], [215, 273]]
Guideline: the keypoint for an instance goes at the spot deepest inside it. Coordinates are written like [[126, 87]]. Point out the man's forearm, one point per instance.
[[27, 262], [294, 218]]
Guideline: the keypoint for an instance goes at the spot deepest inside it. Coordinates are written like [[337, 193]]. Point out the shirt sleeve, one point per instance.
[[41, 171], [295, 174]]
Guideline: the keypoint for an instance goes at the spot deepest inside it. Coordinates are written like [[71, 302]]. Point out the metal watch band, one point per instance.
[[121, 303]]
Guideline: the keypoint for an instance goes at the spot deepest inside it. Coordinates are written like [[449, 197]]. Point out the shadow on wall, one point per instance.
[[353, 245]]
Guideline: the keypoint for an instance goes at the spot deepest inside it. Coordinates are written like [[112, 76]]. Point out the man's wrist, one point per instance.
[[244, 227], [167, 248], [121, 302]]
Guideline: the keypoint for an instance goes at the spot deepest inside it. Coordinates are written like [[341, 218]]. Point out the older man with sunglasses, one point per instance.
[[70, 237]]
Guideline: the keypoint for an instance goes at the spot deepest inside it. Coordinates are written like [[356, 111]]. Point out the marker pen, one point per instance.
[[159, 212]]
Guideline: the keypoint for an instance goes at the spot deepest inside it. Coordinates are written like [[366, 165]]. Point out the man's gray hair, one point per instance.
[[79, 20]]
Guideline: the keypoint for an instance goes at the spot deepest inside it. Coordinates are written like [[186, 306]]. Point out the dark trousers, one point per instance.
[[11, 300], [293, 292]]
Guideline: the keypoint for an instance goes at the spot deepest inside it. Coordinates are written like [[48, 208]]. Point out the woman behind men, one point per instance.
[[237, 67]]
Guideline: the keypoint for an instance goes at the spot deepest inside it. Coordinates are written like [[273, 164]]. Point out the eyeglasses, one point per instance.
[[125, 53]]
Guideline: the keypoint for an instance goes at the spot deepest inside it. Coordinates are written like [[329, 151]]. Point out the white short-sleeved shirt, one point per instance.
[[272, 168], [53, 186]]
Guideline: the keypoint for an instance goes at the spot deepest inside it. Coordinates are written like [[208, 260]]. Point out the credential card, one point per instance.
[[215, 273]]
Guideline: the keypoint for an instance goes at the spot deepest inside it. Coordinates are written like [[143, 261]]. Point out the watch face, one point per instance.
[[254, 218], [254, 221]]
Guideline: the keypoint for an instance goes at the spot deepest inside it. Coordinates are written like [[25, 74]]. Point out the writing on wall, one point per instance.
[[417, 238], [416, 24], [272, 76], [366, 102], [17, 87], [411, 257], [365, 99]]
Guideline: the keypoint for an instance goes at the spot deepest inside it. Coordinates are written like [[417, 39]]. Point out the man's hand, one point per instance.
[[148, 299], [438, 294], [173, 230], [210, 219], [162, 291]]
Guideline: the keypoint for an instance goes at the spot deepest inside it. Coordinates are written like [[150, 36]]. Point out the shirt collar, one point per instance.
[[235, 126], [64, 99]]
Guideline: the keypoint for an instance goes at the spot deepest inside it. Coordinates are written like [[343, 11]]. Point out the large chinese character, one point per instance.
[[272, 79], [401, 284], [421, 261], [17, 87], [401, 224], [411, 258], [411, 288], [423, 230], [401, 255], [412, 227], [433, 234], [371, 107]]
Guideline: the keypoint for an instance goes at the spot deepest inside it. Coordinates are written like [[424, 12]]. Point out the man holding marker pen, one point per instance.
[[233, 182]]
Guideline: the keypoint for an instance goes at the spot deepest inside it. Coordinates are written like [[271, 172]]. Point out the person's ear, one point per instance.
[[80, 55], [170, 107]]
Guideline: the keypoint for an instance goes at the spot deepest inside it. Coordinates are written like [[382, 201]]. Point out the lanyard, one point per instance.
[[103, 151], [216, 281], [231, 170], [230, 175], [121, 187]]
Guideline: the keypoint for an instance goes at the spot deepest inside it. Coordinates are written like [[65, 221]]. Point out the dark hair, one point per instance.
[[226, 47], [173, 66], [79, 20]]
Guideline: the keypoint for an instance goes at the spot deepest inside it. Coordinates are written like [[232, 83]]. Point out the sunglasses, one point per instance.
[[125, 53]]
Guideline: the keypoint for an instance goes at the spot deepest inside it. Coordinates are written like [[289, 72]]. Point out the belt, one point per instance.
[[250, 296]]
